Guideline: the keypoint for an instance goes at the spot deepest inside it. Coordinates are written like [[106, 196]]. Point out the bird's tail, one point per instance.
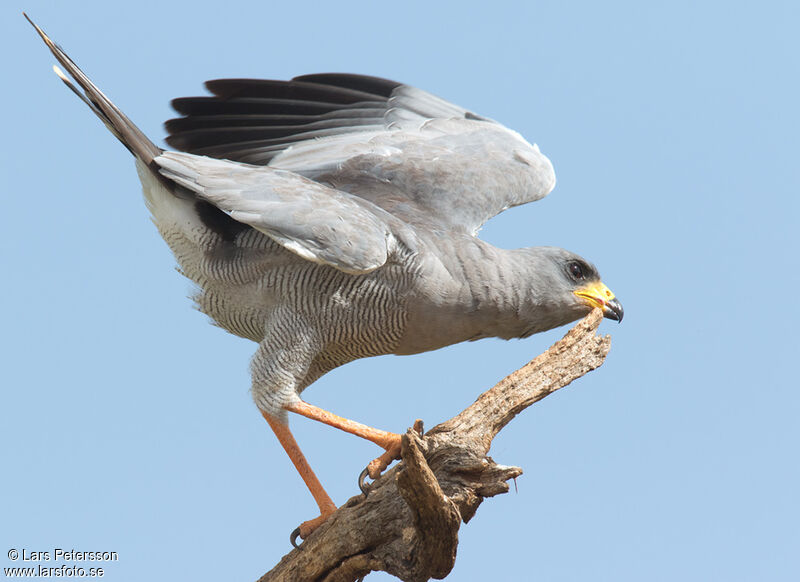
[[116, 121]]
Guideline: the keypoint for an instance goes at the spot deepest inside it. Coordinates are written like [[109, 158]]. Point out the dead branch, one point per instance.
[[408, 524]]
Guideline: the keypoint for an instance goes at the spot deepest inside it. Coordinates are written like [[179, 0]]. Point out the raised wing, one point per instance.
[[422, 159], [314, 221]]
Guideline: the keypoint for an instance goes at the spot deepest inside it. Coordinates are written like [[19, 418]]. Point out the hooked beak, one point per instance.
[[598, 295]]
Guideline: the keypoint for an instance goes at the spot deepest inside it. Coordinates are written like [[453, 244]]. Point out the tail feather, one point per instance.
[[116, 121]]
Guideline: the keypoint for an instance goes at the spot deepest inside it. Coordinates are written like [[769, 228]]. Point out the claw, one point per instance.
[[293, 538], [362, 482], [379, 465], [308, 527]]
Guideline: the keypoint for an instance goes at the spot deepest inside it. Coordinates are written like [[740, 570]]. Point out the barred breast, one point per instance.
[[243, 279]]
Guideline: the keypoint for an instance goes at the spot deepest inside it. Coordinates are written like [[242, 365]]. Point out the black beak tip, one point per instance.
[[614, 311]]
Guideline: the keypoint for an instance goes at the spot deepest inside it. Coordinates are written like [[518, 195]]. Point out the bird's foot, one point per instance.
[[308, 527], [379, 465]]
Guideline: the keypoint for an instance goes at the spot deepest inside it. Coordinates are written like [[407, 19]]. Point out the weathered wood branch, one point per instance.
[[408, 524]]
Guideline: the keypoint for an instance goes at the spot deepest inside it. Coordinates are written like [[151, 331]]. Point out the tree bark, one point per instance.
[[408, 523]]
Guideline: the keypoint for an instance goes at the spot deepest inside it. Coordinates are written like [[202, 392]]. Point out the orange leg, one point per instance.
[[326, 505], [386, 440]]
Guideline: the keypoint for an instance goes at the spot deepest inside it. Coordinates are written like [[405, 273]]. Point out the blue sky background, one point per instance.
[[126, 420]]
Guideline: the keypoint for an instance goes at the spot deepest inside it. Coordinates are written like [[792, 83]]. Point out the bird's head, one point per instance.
[[565, 287]]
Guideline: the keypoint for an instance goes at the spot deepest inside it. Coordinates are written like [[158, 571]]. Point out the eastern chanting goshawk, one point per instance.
[[334, 217]]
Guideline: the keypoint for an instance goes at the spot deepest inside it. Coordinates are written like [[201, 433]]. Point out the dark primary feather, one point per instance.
[[267, 116], [365, 83], [364, 116], [208, 141], [296, 89]]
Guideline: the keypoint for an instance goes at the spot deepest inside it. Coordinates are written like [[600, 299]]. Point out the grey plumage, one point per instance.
[[341, 223]]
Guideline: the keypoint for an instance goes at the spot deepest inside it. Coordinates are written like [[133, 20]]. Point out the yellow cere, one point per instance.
[[597, 294]]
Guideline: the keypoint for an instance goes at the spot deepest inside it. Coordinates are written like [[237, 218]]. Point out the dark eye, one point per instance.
[[575, 270]]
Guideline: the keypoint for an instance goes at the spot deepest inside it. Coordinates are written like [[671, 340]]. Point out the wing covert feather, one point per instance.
[[314, 221]]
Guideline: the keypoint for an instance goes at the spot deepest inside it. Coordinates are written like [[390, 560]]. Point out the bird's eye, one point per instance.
[[575, 270]]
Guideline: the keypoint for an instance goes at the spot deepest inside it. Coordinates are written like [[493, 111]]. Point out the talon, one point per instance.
[[377, 466], [293, 538], [362, 482], [306, 528]]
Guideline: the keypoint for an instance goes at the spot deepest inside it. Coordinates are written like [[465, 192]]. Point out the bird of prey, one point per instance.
[[334, 217]]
